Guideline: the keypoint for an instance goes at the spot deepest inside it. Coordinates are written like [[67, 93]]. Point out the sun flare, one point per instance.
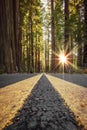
[[62, 58]]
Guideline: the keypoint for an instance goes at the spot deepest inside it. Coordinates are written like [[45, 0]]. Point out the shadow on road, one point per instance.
[[7, 79], [44, 109]]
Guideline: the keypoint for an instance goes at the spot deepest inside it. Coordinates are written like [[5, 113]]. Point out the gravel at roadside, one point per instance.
[[44, 109]]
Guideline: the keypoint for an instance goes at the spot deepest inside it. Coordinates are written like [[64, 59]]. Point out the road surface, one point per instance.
[[79, 79], [42, 102], [7, 79]]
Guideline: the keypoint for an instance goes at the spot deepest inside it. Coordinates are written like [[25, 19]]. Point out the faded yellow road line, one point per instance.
[[12, 98], [75, 96]]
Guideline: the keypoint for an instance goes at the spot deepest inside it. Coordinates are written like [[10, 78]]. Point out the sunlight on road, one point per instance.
[[12, 98], [74, 95]]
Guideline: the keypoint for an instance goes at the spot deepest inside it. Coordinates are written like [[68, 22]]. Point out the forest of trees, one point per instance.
[[32, 35]]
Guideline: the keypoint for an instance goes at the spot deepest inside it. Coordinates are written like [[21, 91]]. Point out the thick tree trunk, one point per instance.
[[67, 47], [16, 33], [31, 40], [2, 65], [85, 34], [8, 35]]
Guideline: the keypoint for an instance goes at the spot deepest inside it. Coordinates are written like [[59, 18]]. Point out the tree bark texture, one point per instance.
[[7, 36], [85, 34], [66, 33], [52, 37]]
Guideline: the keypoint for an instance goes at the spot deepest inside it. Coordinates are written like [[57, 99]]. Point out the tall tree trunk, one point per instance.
[[7, 35], [36, 53], [79, 39], [46, 58], [47, 52], [2, 65], [32, 40], [38, 60], [66, 33], [52, 36], [16, 32], [85, 34]]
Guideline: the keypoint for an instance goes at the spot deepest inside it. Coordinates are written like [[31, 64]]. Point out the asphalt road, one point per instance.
[[7, 79], [79, 79], [44, 109]]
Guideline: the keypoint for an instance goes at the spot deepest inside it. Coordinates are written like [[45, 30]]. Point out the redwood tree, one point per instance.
[[52, 36], [85, 34], [9, 47]]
